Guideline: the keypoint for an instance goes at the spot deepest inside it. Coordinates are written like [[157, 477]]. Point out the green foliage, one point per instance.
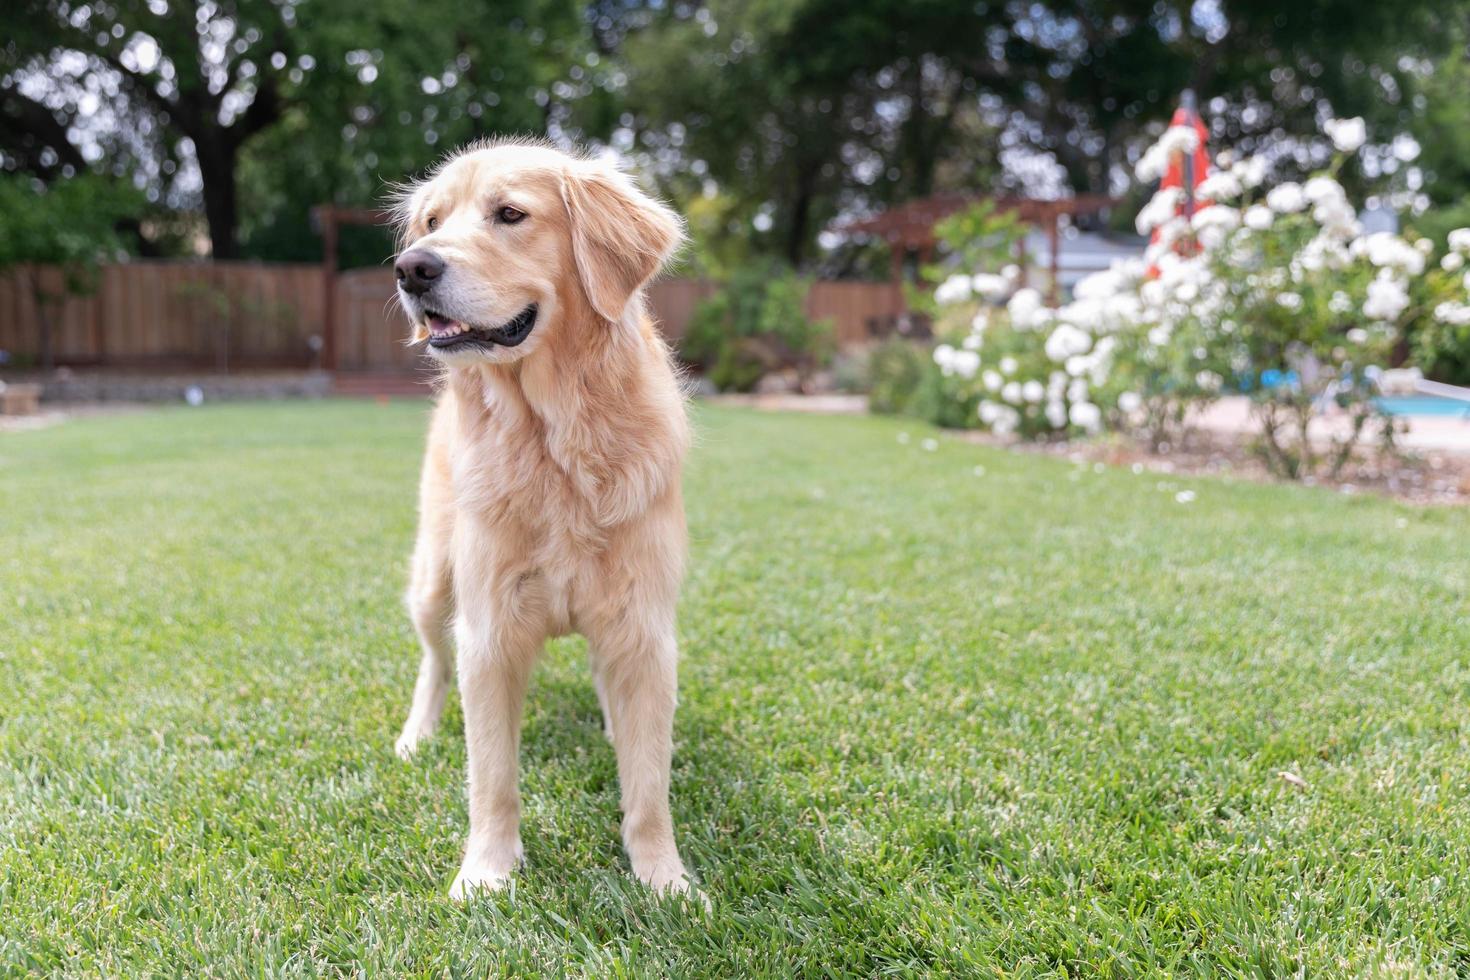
[[72, 224], [895, 369], [979, 238], [945, 401], [799, 109], [287, 105], [792, 112], [754, 325], [1442, 350]]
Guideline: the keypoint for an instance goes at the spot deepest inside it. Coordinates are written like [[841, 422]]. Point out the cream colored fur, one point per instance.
[[550, 498]]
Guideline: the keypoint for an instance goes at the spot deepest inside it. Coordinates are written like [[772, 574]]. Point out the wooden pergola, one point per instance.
[[909, 228], [328, 220]]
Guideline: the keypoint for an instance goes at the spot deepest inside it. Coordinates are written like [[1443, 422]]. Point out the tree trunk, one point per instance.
[[38, 296], [217, 170]]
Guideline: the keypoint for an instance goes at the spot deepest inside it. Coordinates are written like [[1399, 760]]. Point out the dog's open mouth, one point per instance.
[[446, 334]]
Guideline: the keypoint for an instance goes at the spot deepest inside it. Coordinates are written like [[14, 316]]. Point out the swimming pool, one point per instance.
[[1423, 405]]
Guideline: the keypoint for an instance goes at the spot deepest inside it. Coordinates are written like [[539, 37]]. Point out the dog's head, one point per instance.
[[504, 244]]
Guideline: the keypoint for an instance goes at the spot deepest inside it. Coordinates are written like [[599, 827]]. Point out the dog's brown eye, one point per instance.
[[433, 222], [509, 215]]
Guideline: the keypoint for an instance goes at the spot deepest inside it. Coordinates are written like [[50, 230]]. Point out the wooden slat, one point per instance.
[[150, 312]]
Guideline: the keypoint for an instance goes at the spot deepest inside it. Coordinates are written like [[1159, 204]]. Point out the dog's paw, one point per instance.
[[488, 874], [666, 876], [408, 744]]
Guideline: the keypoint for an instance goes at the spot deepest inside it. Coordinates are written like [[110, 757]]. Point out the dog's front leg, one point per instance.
[[495, 661], [638, 665]]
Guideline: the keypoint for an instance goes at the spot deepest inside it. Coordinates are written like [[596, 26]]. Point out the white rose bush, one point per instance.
[[1274, 291]]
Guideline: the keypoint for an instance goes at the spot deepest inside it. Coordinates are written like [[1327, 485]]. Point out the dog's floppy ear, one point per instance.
[[621, 237]]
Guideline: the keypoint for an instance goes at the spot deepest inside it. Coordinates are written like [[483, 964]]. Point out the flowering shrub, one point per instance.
[[1020, 368], [1281, 294], [1275, 291], [1441, 340]]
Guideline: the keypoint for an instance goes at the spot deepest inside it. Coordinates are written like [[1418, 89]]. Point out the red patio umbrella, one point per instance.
[[1186, 170]]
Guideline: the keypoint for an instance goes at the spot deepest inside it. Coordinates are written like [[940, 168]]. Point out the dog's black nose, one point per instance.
[[417, 270]]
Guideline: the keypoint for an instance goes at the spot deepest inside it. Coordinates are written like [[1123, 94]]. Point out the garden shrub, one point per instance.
[[895, 368], [754, 325], [1273, 291]]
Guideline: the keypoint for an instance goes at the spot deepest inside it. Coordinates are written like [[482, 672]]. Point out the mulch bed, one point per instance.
[[1413, 476]]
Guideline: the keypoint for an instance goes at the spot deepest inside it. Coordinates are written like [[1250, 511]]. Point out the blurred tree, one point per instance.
[[404, 87], [1442, 123], [72, 225], [279, 101], [802, 109]]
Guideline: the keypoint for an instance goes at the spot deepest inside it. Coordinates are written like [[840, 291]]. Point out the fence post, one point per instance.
[[329, 286]]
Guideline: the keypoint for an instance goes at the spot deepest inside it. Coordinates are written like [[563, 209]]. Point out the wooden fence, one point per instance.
[[144, 313], [246, 314]]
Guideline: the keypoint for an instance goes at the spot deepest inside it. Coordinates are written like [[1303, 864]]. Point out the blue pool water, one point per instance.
[[1423, 405]]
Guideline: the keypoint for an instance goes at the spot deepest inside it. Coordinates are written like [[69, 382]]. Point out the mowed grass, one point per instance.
[[1022, 721]]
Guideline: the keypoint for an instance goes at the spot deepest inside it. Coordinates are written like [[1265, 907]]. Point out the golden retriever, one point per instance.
[[550, 500]]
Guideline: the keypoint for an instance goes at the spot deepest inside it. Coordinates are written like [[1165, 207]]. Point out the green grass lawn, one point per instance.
[[947, 711]]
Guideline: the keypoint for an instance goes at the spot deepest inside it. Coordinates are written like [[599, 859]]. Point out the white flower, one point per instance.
[[1208, 381], [1320, 189], [1460, 240], [1348, 135], [1258, 217], [1011, 393], [1337, 217], [1456, 314], [1130, 402], [1289, 301], [1406, 148], [929, 445], [1452, 262], [944, 357], [961, 362], [1387, 299], [990, 287], [1065, 341], [1216, 216], [1155, 160], [1179, 139], [1160, 208], [1222, 185], [992, 380], [1286, 198], [1340, 302], [1024, 309], [1184, 497], [1357, 335], [989, 412], [955, 289], [981, 321], [1086, 415], [1056, 414], [1033, 391], [1388, 251], [1008, 366], [1251, 171]]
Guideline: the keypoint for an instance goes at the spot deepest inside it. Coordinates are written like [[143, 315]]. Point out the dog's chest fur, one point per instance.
[[554, 484]]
